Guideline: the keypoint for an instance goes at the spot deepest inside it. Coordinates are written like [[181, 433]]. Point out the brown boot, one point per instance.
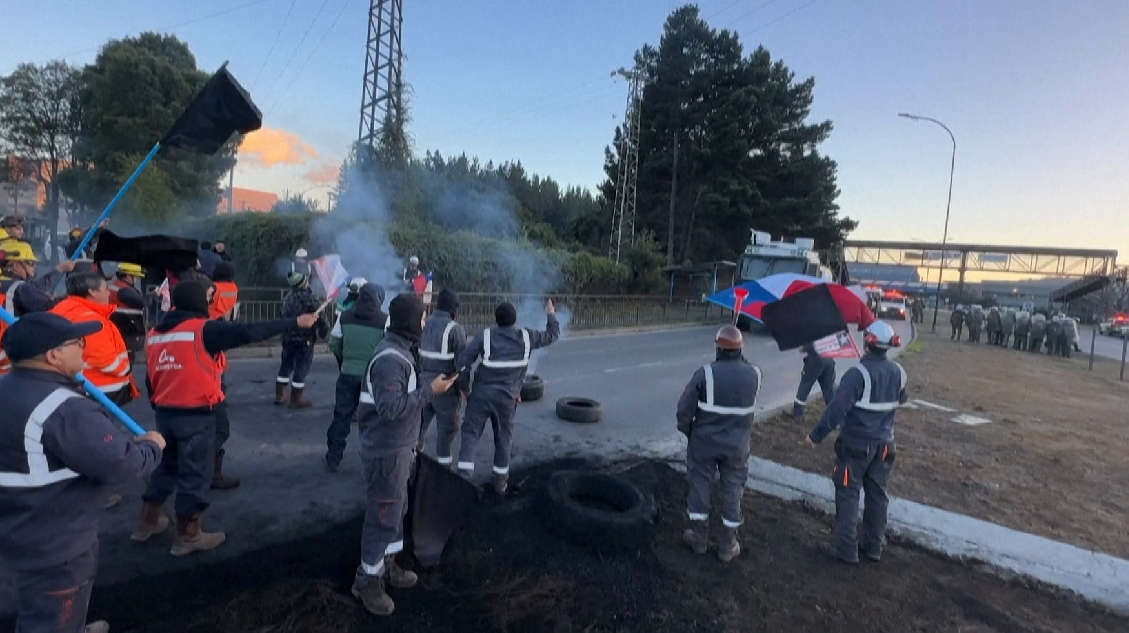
[[191, 538], [370, 591], [219, 480], [296, 399], [280, 392], [696, 537], [728, 547], [153, 521], [399, 577]]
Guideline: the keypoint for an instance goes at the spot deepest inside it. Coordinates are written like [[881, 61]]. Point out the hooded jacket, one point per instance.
[[301, 301], [359, 330], [105, 357]]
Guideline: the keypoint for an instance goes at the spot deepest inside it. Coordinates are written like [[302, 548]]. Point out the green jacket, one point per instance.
[[358, 331]]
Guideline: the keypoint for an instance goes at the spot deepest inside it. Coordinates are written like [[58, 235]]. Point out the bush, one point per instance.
[[459, 259]]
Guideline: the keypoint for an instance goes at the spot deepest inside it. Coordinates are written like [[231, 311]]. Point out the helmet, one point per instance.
[[18, 251], [3, 234], [413, 260], [357, 282], [75, 232], [729, 337], [130, 269], [881, 336], [301, 252]]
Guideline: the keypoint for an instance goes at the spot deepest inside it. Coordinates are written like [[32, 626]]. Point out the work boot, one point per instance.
[[296, 399], [874, 555], [727, 547], [101, 626], [370, 591], [280, 392], [798, 411], [153, 521], [191, 538], [399, 577], [696, 537], [499, 483], [833, 551], [219, 480]]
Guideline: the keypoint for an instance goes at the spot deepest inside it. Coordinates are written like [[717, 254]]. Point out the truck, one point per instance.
[[764, 257]]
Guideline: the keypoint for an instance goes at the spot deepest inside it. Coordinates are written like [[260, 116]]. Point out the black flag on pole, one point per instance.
[[220, 109], [804, 317], [164, 252]]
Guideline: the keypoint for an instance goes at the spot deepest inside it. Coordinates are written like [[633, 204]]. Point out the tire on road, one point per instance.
[[533, 388], [600, 511], [582, 410]]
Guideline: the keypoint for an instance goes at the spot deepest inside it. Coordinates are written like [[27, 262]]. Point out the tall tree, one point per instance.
[[747, 157], [39, 108], [132, 93]]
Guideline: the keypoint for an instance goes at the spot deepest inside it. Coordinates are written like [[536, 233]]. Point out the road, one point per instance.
[[1106, 346], [286, 492]]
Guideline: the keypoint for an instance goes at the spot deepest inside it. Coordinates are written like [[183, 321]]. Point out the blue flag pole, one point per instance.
[[113, 203], [93, 391]]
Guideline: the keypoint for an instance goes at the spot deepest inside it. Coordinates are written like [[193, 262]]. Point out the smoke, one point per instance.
[[268, 147]]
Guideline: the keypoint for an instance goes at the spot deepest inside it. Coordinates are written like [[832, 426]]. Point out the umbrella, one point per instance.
[[776, 287], [804, 317]]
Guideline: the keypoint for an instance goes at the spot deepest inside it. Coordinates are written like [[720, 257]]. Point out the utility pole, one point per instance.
[[623, 209], [231, 189], [382, 97]]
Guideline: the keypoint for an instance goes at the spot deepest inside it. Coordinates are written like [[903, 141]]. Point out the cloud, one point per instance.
[[324, 175], [268, 147]]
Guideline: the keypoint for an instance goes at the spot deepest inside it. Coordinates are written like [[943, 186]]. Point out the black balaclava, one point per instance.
[[224, 271], [729, 354], [191, 296], [406, 314], [448, 301], [505, 314]]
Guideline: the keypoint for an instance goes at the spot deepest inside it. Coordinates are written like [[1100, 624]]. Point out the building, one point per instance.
[[904, 279], [247, 200]]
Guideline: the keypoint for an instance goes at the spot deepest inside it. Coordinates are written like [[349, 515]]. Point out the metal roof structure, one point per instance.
[[1033, 260]]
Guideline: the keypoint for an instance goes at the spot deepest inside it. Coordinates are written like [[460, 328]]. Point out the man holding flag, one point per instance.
[[298, 345]]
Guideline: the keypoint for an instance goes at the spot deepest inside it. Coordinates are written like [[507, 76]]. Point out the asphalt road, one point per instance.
[[277, 452], [1106, 346]]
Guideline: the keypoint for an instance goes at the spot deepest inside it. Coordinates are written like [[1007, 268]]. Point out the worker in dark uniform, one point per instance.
[[863, 410], [391, 408], [184, 361], [353, 341], [298, 345], [60, 458], [20, 291], [443, 340], [816, 369], [129, 307], [957, 321], [715, 414], [504, 350]]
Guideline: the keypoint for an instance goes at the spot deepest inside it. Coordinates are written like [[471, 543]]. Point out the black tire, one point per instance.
[[580, 410], [604, 512], [533, 388]]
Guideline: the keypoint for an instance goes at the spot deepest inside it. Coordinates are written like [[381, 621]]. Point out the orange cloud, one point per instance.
[[323, 175], [268, 147]]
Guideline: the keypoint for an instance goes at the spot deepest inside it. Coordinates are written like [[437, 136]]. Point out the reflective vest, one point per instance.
[[120, 307], [105, 358], [8, 300], [870, 402], [710, 404], [223, 302], [36, 468], [367, 395], [487, 361], [182, 372], [444, 352]]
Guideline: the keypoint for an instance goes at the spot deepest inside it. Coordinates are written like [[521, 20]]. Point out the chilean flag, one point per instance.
[[332, 274]]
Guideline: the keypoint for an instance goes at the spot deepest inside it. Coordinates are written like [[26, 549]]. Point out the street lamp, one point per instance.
[[945, 238]]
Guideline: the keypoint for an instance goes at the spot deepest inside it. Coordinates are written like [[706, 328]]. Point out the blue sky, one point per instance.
[[1036, 92]]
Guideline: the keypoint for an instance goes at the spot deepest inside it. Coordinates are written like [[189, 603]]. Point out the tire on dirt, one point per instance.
[[604, 512], [533, 388], [582, 410]]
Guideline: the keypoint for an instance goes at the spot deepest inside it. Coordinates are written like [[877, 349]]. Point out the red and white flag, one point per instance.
[[331, 274], [838, 345]]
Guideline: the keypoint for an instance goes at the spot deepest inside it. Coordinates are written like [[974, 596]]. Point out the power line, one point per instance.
[[173, 27], [750, 12], [543, 103], [298, 47], [277, 35], [312, 52], [723, 9], [768, 24]]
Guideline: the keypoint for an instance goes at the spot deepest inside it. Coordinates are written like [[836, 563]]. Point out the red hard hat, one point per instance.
[[729, 337]]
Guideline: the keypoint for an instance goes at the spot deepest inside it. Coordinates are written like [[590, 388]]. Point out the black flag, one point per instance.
[[804, 317], [163, 252], [222, 108]]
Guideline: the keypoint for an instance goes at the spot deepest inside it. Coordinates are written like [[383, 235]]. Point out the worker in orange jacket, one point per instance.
[[227, 293], [105, 356]]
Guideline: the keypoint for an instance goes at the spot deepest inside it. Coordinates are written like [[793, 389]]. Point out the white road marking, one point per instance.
[[931, 405], [970, 420]]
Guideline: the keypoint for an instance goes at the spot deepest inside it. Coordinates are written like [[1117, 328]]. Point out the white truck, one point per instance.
[[764, 257]]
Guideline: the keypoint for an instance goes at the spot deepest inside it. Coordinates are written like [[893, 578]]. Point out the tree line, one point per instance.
[[725, 145]]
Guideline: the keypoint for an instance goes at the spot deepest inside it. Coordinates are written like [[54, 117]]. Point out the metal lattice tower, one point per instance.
[[623, 211], [384, 66]]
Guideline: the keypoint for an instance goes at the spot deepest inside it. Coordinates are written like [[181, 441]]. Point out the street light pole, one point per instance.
[[948, 205]]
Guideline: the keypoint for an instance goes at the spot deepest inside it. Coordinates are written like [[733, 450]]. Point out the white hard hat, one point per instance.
[[301, 252], [413, 260], [881, 336]]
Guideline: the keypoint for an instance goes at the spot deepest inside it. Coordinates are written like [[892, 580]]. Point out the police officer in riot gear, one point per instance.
[[863, 411], [715, 414]]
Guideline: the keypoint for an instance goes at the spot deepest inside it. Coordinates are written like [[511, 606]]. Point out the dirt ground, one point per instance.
[[1051, 462], [503, 573]]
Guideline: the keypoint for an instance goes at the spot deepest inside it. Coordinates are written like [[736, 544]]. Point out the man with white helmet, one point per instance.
[[863, 410], [411, 272]]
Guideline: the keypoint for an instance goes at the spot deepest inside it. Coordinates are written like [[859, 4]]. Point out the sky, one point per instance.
[[1035, 92]]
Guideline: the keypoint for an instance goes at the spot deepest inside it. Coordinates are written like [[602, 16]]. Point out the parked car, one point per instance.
[[892, 306], [1117, 326]]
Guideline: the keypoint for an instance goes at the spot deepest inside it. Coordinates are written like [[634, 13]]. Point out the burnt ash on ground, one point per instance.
[[503, 572]]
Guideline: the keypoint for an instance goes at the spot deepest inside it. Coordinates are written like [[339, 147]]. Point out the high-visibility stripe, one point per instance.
[[865, 402], [368, 372], [698, 516], [466, 466], [709, 405], [394, 548], [444, 352], [39, 471], [446, 461], [129, 311], [373, 570], [171, 337], [501, 470], [504, 364], [730, 524]]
